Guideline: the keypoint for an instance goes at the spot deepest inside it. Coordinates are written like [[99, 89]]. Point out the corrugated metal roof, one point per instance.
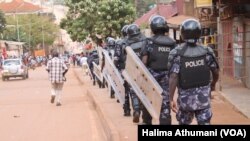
[[176, 21], [18, 6], [165, 10]]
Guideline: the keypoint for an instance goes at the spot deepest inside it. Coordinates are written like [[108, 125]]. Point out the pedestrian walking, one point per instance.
[[57, 70], [155, 56], [191, 65]]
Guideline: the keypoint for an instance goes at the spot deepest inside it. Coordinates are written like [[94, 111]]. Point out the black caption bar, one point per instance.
[[194, 132]]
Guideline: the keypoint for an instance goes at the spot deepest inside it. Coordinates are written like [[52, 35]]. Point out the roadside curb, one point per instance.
[[224, 98], [110, 130]]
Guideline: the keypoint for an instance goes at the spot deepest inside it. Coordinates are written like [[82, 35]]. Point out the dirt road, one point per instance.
[[27, 114]]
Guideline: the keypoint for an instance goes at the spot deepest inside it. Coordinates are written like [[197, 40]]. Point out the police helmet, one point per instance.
[[92, 52], [158, 24], [111, 41], [118, 43], [95, 55], [124, 30], [133, 29], [190, 30]]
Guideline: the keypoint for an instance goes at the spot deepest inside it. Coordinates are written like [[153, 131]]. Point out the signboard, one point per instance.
[[143, 83], [40, 52], [114, 78], [203, 3]]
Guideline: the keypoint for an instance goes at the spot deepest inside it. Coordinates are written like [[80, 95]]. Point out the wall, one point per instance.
[[188, 8], [227, 49], [247, 54]]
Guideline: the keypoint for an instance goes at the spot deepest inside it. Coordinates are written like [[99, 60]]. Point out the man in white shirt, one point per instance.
[[84, 64]]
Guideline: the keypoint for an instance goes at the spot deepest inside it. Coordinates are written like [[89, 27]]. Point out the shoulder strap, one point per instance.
[[183, 50]]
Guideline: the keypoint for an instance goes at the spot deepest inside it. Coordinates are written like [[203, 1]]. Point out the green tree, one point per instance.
[[91, 17], [32, 29], [112, 16], [2, 22], [81, 18]]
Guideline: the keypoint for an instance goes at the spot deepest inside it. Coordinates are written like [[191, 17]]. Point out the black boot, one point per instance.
[[112, 94], [136, 106], [165, 121], [146, 122], [126, 108], [99, 84], [136, 116], [127, 113], [146, 117]]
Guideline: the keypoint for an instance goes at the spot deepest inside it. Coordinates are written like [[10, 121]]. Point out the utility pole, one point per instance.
[[52, 6], [157, 7], [16, 18], [17, 23], [43, 34], [29, 33], [220, 47]]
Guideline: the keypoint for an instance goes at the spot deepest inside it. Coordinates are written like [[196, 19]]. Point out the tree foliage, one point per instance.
[[113, 14], [2, 21], [32, 29], [91, 17]]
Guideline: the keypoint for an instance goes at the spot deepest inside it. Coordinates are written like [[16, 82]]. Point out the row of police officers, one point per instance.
[[191, 67]]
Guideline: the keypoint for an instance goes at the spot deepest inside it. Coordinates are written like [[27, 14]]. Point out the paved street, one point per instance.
[[27, 114]]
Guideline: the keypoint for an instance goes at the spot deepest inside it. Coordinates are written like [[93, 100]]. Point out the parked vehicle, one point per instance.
[[14, 68]]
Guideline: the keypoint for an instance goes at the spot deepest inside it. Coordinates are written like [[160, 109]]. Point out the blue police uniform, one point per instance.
[[193, 100], [157, 50], [119, 61]]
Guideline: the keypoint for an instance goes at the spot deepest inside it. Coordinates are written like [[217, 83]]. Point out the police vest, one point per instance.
[[158, 56], [194, 71], [96, 60], [137, 46], [119, 51]]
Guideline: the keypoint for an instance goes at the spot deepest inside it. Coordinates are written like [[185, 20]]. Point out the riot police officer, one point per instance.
[[120, 65], [155, 56], [93, 57], [124, 31], [119, 61], [137, 41], [191, 65], [110, 46]]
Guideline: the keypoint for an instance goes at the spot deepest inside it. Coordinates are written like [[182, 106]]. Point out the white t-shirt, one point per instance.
[[83, 60]]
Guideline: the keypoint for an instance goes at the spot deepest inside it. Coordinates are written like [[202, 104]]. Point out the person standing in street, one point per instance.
[[191, 65], [57, 70], [155, 56]]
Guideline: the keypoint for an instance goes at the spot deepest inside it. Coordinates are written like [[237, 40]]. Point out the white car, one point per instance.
[[14, 68]]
